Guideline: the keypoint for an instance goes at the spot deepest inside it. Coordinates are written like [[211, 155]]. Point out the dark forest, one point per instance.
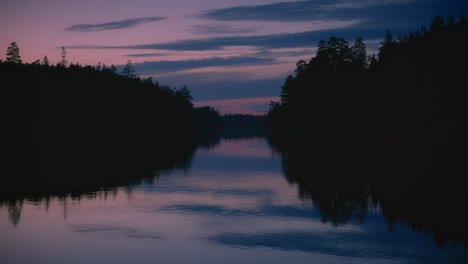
[[390, 128]]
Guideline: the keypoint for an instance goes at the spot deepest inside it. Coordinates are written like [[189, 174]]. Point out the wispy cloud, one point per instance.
[[361, 4], [295, 11], [126, 23], [284, 11], [291, 40], [151, 67], [396, 15], [139, 55], [221, 29]]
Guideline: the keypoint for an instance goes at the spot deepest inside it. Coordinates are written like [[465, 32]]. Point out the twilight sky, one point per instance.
[[232, 54]]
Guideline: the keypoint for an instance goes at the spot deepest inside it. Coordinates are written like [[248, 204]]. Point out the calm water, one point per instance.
[[233, 205]]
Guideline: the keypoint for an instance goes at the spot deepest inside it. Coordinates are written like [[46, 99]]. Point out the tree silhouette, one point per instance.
[[388, 39], [387, 45], [335, 53], [286, 90], [184, 92], [372, 62], [137, 124], [437, 24], [301, 65], [113, 69], [128, 70], [13, 54], [398, 127], [359, 55], [45, 61], [417, 76], [63, 55]]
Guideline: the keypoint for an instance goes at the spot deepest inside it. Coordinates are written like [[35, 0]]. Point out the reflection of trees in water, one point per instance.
[[15, 206], [72, 129], [398, 126], [64, 199], [413, 183], [14, 211], [91, 180]]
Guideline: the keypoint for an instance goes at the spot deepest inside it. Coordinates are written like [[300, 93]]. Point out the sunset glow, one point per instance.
[[252, 106], [221, 50]]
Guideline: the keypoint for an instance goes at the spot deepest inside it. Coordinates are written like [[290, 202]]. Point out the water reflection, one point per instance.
[[414, 183], [14, 211], [111, 231], [73, 169], [238, 202]]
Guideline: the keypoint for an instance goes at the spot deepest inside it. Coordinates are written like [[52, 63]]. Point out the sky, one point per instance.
[[233, 55]]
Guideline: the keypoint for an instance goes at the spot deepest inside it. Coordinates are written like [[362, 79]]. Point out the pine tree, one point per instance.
[[359, 55], [335, 52], [184, 92], [45, 61], [128, 70], [63, 54], [387, 46], [13, 54]]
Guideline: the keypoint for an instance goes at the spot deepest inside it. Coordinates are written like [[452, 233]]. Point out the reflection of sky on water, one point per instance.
[[228, 208], [115, 231]]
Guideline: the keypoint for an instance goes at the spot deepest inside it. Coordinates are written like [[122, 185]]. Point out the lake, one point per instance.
[[232, 204]]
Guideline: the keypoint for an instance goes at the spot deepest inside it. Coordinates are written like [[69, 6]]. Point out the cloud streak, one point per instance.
[[296, 11], [221, 29], [139, 55], [149, 67], [291, 40], [126, 23], [401, 15]]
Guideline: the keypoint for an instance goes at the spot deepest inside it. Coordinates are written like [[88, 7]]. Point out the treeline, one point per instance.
[[71, 126], [243, 126], [413, 87], [215, 126], [391, 129]]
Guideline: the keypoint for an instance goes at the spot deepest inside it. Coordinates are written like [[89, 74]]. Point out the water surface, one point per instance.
[[233, 205]]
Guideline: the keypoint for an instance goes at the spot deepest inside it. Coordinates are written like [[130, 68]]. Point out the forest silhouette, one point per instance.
[[73, 126], [413, 88], [390, 129], [68, 128]]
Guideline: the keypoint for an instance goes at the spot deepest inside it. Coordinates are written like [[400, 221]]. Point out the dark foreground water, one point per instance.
[[233, 205]]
